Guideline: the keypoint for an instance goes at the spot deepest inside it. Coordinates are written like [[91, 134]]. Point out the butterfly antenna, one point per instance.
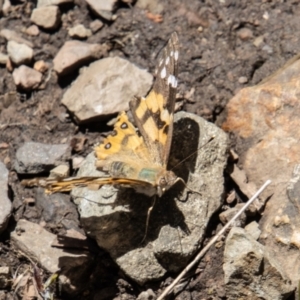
[[210, 139], [181, 180]]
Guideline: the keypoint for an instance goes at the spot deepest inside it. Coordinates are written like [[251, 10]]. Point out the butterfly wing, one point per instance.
[[124, 144], [154, 114], [67, 184]]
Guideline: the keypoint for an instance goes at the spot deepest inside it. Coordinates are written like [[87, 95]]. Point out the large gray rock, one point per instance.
[[34, 158], [105, 87], [117, 218]]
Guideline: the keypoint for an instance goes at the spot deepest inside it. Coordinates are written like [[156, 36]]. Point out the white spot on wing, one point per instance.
[[163, 73], [165, 116], [171, 53], [161, 61], [173, 81], [167, 60], [176, 55]]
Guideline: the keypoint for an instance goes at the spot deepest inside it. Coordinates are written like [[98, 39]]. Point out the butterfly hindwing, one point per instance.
[[154, 114], [123, 141]]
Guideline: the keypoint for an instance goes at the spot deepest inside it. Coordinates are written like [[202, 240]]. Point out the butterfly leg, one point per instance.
[[148, 218]]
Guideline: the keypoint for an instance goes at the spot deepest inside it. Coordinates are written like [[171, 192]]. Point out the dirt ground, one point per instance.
[[225, 46]]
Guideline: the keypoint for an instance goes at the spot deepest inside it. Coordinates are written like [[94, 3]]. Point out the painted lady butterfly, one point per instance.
[[130, 159]]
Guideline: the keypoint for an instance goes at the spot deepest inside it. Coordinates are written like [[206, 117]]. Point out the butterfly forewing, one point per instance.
[[154, 114]]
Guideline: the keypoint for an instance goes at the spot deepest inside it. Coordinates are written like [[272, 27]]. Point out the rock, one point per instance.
[[245, 34], [7, 99], [60, 171], [41, 66], [79, 31], [228, 214], [9, 65], [243, 79], [34, 158], [27, 78], [253, 229], [104, 88], [11, 35], [47, 17], [77, 161], [6, 7], [117, 218], [258, 41], [265, 118], [250, 272], [5, 203], [35, 242], [32, 30], [153, 6], [57, 209], [147, 295], [268, 49], [103, 8], [74, 54], [96, 25], [3, 59], [106, 293], [42, 3], [5, 277], [19, 53]]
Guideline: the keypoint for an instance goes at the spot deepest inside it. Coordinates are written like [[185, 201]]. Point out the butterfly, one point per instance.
[[138, 159]]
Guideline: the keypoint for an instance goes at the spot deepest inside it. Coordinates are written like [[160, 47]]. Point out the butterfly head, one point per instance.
[[165, 180]]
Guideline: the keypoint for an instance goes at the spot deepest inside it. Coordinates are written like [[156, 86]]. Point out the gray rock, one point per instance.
[[5, 203], [103, 8], [5, 277], [11, 35], [57, 208], [250, 272], [34, 158], [19, 53], [147, 295], [253, 229], [74, 54], [32, 30], [47, 17], [3, 59], [35, 242], [228, 214], [105, 88], [42, 3], [154, 6], [117, 218], [96, 25], [27, 78], [79, 31]]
